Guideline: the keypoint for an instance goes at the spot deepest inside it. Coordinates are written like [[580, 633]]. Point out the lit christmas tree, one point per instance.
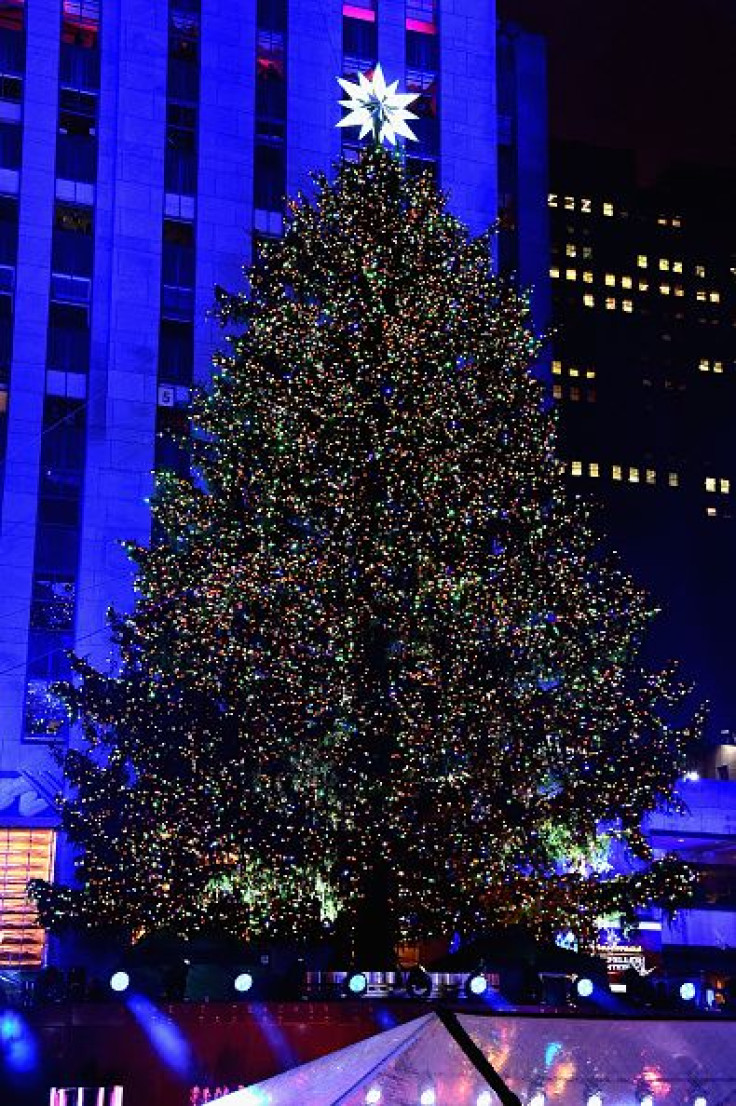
[[377, 672]]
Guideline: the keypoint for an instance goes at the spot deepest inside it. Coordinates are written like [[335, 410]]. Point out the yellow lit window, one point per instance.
[[552, 199], [661, 221], [627, 282], [676, 266], [724, 486], [715, 297], [569, 203], [588, 276], [610, 303], [633, 476], [571, 249], [711, 512], [700, 296], [607, 208], [576, 468], [590, 374], [554, 272], [594, 469], [574, 372], [571, 274], [710, 483], [664, 264], [673, 480], [589, 300], [642, 261], [704, 365], [651, 476], [557, 391], [24, 854], [676, 221], [586, 205], [616, 472], [679, 290], [643, 286], [717, 366], [627, 306], [665, 289], [610, 280], [557, 367], [700, 270]]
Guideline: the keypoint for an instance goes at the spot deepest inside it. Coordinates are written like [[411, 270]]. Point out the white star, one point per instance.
[[377, 107]]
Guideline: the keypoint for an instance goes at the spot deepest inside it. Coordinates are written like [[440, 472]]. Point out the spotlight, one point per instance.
[[429, 1098], [373, 1095], [243, 982], [700, 1100], [584, 987], [537, 1099], [419, 985], [476, 985], [687, 991], [119, 982], [357, 983], [594, 1099], [483, 1099], [646, 1100]]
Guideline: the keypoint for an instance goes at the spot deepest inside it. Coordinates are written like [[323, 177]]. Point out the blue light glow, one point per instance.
[[119, 982], [17, 1043], [585, 987], [164, 1035], [243, 982], [477, 985], [687, 991], [357, 983]]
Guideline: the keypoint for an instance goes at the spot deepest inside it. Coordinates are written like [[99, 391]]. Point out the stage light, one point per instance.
[[418, 983], [584, 987], [119, 982], [483, 1099], [537, 1099], [687, 991], [646, 1100], [429, 1098], [476, 985], [700, 1100], [373, 1095], [594, 1099], [243, 982], [357, 983]]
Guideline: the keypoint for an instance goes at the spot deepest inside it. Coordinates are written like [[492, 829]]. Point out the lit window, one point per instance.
[[676, 221], [700, 270], [610, 303], [552, 199], [590, 374], [575, 395], [665, 289], [607, 208], [554, 272], [633, 476], [642, 261], [717, 366], [710, 483], [664, 264], [661, 221], [610, 280], [589, 300], [24, 854], [571, 274], [679, 290], [586, 205], [724, 486], [588, 276], [576, 468], [569, 203], [651, 476], [715, 297], [557, 367], [574, 372], [627, 282], [711, 512], [594, 469], [676, 266], [587, 253], [571, 249], [704, 365], [643, 286], [673, 480], [700, 296], [627, 306], [616, 472], [557, 391]]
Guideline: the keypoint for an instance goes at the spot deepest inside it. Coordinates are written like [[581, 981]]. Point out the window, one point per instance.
[[25, 854], [552, 199], [673, 480], [557, 391], [587, 277], [574, 372], [557, 367], [590, 374], [594, 469], [700, 296], [607, 208], [642, 261], [665, 289], [360, 45], [626, 282], [610, 303], [52, 603], [679, 291], [700, 271], [271, 14], [576, 468], [270, 79], [715, 297], [571, 249], [627, 306], [571, 274], [269, 176], [72, 244], [664, 264], [180, 162], [711, 512], [80, 22], [586, 205], [704, 365], [651, 476], [587, 253], [10, 145], [569, 203], [724, 486], [588, 300], [633, 476], [68, 339], [554, 272], [610, 280], [175, 352], [575, 395], [643, 286], [717, 366], [676, 266], [616, 472]]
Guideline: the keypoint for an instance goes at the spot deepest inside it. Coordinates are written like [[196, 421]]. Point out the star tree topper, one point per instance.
[[377, 107]]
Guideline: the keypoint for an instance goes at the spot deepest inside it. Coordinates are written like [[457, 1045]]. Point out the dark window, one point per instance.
[[11, 14], [269, 176], [180, 172], [10, 145], [80, 22], [6, 345], [8, 232], [68, 341], [79, 67], [72, 243], [421, 52], [76, 150], [359, 45], [45, 717], [52, 603], [176, 352], [173, 425], [270, 76], [271, 14], [12, 52], [184, 35], [178, 265]]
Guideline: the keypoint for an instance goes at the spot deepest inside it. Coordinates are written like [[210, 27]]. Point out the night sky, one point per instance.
[[655, 75]]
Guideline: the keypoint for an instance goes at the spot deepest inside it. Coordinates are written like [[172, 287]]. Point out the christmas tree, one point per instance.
[[378, 670]]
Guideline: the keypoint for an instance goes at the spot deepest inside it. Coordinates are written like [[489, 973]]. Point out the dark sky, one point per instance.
[[655, 75]]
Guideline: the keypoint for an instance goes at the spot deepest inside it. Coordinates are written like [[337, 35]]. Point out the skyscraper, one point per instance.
[[143, 146]]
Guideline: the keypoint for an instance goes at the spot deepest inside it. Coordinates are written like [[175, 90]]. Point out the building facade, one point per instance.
[[142, 147]]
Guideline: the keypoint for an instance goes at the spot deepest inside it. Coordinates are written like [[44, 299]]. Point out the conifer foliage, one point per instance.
[[376, 667]]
